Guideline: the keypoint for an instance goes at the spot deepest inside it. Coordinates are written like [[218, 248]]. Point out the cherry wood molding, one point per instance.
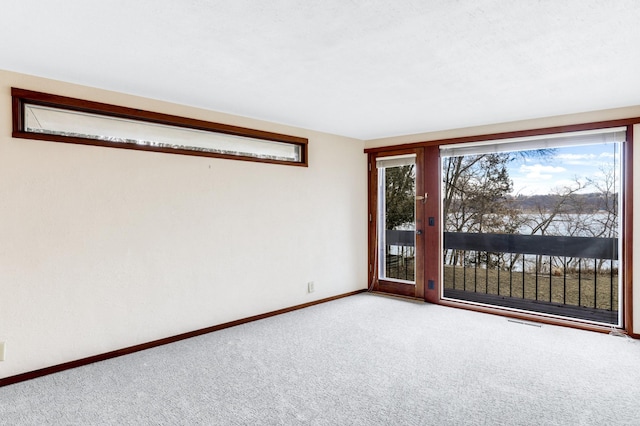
[[21, 96], [388, 286], [126, 351], [392, 287], [432, 255], [372, 234], [513, 134], [418, 300], [627, 247], [421, 208], [433, 231], [525, 316]]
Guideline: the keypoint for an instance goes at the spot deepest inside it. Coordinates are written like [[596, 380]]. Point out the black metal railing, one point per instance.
[[574, 277], [399, 254]]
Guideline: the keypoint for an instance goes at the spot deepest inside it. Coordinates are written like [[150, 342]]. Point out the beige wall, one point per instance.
[[564, 120], [104, 248]]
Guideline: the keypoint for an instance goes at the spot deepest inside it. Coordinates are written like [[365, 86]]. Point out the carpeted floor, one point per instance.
[[362, 360]]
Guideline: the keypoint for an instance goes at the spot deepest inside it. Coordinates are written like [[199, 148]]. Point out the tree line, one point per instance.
[[478, 197]]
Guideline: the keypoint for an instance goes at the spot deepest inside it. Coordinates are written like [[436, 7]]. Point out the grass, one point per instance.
[[573, 289]]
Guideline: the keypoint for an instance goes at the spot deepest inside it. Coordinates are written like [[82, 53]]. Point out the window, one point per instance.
[[396, 218], [534, 224], [56, 118], [531, 223]]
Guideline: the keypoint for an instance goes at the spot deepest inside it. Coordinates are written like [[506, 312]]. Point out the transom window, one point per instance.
[[48, 117]]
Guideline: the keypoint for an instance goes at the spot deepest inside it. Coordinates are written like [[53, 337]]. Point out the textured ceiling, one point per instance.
[[360, 68]]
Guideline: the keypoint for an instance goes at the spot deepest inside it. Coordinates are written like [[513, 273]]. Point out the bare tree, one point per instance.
[[476, 195], [561, 213], [604, 222]]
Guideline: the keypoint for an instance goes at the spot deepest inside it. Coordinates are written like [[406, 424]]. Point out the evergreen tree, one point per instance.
[[400, 195]]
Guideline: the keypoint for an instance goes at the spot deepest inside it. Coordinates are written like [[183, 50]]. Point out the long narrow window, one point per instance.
[[48, 117], [534, 224]]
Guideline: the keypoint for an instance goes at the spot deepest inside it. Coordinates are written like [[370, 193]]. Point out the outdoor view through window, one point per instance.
[[396, 204], [535, 228]]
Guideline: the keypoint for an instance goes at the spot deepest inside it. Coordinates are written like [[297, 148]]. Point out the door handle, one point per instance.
[[422, 198], [418, 231]]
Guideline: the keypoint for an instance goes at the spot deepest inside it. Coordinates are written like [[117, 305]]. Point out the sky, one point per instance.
[[534, 175]]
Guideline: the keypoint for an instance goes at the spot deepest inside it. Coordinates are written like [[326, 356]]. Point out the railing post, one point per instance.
[[611, 286], [486, 273], [498, 256], [464, 270], [455, 260], [475, 273], [564, 283], [536, 261], [595, 284], [510, 274], [523, 274], [579, 282], [550, 277]]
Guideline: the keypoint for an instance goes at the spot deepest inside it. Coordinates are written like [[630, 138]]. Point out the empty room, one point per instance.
[[338, 212]]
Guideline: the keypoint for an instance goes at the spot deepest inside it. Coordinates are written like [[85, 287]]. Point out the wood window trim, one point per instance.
[[20, 97], [627, 249], [514, 134], [627, 242]]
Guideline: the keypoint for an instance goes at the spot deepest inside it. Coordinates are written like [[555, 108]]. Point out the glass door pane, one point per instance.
[[397, 219]]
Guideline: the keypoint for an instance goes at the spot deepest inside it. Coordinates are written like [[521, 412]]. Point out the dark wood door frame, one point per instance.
[[387, 286], [432, 250], [431, 237]]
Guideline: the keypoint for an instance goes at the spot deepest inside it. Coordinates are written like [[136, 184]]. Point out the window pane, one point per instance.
[[62, 122], [536, 229], [396, 197]]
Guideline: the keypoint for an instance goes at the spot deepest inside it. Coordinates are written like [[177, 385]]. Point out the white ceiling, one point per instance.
[[360, 68]]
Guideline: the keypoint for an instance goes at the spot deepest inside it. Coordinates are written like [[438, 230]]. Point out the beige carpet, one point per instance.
[[363, 360]]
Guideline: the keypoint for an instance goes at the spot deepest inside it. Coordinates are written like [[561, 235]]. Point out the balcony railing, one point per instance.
[[574, 277], [399, 254]]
